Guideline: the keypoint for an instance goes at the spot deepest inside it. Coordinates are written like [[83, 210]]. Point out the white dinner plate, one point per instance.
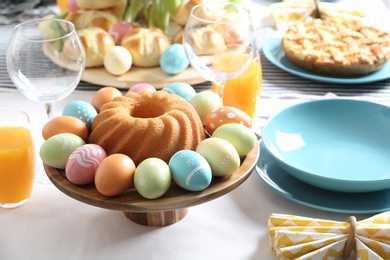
[[302, 193], [273, 51]]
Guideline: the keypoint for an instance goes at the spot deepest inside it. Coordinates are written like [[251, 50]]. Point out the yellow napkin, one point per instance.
[[301, 238], [290, 12]]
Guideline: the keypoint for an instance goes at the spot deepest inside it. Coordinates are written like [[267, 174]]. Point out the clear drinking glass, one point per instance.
[[45, 61], [220, 41], [17, 158]]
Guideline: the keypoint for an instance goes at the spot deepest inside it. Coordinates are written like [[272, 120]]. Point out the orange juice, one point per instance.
[[17, 164], [243, 91]]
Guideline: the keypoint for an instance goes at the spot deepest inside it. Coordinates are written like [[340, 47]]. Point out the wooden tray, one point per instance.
[[100, 76], [154, 76], [166, 210]]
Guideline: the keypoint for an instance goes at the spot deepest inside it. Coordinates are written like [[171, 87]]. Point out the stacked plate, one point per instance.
[[332, 154]]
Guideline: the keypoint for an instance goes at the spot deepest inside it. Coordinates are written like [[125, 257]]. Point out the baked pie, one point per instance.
[[336, 47]]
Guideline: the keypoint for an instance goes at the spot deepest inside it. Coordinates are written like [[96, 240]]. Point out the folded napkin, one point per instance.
[[290, 12], [296, 237]]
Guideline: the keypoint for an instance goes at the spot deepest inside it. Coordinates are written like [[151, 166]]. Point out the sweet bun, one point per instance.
[[94, 18], [178, 36], [146, 46], [96, 43], [183, 11], [206, 40], [97, 4]]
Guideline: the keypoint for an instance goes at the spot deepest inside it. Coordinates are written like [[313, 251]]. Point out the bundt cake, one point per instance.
[[147, 124]]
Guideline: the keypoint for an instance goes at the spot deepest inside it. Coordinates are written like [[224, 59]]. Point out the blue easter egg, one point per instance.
[[82, 110], [184, 90], [174, 60], [190, 170]]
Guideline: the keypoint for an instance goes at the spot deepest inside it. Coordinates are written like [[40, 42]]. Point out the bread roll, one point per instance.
[[96, 43], [93, 18], [206, 40], [97, 4], [178, 36], [183, 11], [146, 45]]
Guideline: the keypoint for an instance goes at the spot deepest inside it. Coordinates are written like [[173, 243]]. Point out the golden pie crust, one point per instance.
[[337, 47]]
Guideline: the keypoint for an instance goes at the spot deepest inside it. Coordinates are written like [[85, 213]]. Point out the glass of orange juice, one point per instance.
[[243, 91], [17, 158]]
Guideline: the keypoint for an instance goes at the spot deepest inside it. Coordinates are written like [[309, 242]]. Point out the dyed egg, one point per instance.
[[184, 90], [142, 87], [204, 102], [65, 124], [114, 175], [225, 115], [190, 170], [82, 164], [103, 96], [152, 178], [82, 110], [240, 136], [117, 60], [56, 150], [221, 155], [174, 60], [118, 30], [72, 6]]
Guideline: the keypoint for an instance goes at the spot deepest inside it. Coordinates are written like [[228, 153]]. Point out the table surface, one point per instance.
[[54, 226]]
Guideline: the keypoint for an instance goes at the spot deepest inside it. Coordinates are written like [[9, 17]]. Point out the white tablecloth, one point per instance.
[[54, 226]]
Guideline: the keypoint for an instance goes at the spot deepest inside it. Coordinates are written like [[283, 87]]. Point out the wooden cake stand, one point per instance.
[[166, 210]]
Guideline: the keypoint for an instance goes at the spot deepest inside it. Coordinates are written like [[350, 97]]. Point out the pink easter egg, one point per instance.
[[142, 87], [72, 6], [82, 163]]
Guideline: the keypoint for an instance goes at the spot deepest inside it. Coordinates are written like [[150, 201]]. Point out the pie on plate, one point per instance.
[[337, 47]]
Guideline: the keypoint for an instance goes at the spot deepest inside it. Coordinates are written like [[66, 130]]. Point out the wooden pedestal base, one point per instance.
[[157, 219]]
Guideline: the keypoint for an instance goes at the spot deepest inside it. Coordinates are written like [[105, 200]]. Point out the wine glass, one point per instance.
[[45, 60], [220, 41]]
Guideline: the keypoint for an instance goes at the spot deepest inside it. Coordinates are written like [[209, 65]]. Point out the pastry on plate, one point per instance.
[[337, 47]]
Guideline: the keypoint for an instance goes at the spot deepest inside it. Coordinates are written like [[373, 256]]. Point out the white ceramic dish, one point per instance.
[[336, 144]]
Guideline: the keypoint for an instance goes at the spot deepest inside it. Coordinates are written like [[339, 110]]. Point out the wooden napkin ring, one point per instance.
[[349, 245]]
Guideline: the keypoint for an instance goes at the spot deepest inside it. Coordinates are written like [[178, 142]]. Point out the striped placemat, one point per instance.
[[276, 82]]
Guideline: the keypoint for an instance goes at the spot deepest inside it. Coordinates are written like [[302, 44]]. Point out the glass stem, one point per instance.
[[221, 89], [49, 110]]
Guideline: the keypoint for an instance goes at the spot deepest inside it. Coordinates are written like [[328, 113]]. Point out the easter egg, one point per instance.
[[221, 155], [240, 136], [103, 96], [118, 30], [114, 175], [174, 60], [72, 6], [204, 102], [190, 170], [225, 115], [56, 150], [152, 178], [184, 90], [139, 87], [82, 110], [65, 124], [117, 60], [82, 164]]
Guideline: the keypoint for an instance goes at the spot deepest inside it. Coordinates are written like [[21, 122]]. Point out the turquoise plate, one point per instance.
[[336, 144], [300, 192], [273, 51]]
